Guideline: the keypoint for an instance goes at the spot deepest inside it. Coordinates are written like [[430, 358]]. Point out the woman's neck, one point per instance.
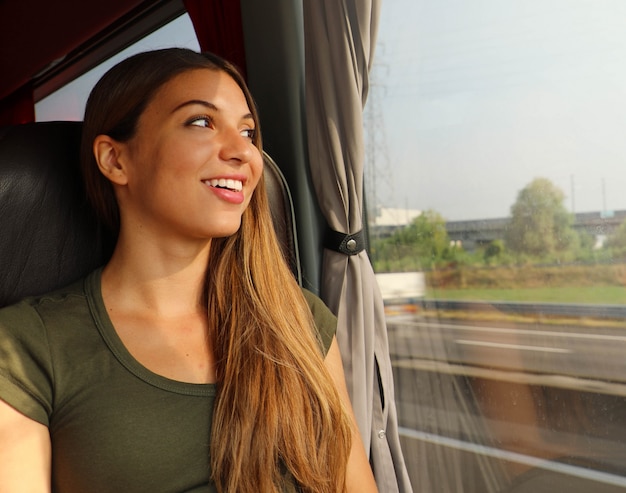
[[158, 277]]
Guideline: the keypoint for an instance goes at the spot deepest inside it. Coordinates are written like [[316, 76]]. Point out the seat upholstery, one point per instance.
[[49, 235]]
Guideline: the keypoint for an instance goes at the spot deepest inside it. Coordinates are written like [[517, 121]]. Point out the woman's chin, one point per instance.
[[226, 230]]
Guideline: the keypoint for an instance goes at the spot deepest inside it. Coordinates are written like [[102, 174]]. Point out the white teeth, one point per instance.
[[235, 185]]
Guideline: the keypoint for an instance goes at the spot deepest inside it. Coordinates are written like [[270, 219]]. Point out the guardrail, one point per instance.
[[521, 308]]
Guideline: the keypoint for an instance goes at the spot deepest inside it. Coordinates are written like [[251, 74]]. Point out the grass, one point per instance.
[[601, 284], [601, 295]]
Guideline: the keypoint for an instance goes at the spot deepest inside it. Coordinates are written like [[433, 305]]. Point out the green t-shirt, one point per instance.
[[114, 425]]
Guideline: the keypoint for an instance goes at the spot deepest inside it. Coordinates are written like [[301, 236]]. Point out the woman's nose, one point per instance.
[[235, 146]]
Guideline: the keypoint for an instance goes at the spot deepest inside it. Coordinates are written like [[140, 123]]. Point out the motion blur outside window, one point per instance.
[[495, 182]]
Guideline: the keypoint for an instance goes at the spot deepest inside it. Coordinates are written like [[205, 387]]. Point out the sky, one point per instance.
[[471, 100]]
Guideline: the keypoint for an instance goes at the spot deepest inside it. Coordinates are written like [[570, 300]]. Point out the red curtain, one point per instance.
[[19, 107], [218, 27]]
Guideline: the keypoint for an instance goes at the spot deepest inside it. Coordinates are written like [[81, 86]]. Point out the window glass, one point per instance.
[[68, 103], [494, 178]]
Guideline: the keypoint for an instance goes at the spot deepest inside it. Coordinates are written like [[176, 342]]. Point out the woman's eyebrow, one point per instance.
[[198, 102], [206, 104]]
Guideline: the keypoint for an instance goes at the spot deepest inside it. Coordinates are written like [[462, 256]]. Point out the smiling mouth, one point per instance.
[[228, 184]]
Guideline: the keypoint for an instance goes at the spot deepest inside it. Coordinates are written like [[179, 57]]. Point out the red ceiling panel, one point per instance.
[[35, 33]]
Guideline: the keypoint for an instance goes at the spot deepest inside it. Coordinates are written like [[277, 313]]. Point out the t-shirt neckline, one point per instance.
[[93, 291]]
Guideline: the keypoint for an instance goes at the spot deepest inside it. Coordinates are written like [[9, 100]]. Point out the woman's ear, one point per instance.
[[108, 154]]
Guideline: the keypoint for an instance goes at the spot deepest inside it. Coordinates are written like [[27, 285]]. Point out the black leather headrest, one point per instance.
[[49, 235]]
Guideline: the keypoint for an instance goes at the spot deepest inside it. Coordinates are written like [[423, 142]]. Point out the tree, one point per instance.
[[427, 235], [419, 245], [493, 251], [426, 238], [617, 240], [540, 225]]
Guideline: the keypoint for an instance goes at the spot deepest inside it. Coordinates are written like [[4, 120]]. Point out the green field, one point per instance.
[[602, 295], [599, 284]]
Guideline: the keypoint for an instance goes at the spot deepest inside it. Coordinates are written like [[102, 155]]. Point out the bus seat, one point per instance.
[[49, 235]]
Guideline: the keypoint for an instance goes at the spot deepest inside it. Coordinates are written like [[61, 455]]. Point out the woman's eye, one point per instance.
[[249, 133], [200, 121]]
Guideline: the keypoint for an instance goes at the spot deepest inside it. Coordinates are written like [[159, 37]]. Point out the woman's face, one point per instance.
[[191, 167]]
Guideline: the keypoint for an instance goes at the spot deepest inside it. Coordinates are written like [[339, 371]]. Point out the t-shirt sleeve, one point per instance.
[[324, 319], [25, 366]]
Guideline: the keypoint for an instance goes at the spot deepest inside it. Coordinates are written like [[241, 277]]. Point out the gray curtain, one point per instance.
[[340, 36]]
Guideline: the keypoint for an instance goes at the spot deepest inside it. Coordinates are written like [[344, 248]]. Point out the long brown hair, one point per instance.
[[277, 410]]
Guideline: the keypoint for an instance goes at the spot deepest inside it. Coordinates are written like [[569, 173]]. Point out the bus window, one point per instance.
[[494, 172], [68, 103]]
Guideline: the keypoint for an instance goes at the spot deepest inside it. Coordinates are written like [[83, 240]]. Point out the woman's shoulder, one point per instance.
[[324, 319], [35, 336], [33, 320], [317, 306], [30, 307]]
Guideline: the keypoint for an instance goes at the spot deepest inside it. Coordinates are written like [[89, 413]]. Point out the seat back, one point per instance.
[[49, 234]]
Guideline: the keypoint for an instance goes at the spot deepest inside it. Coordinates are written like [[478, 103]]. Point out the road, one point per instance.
[[497, 406], [597, 354]]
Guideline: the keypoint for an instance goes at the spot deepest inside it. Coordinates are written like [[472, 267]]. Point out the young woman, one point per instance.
[[191, 361]]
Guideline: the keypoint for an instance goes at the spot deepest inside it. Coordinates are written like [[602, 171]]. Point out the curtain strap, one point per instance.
[[344, 243]]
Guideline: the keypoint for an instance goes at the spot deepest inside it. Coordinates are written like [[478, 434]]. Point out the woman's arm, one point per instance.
[[359, 477], [24, 453]]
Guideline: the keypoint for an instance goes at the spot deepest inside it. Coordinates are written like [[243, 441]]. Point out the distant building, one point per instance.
[[389, 219], [476, 233], [479, 232]]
